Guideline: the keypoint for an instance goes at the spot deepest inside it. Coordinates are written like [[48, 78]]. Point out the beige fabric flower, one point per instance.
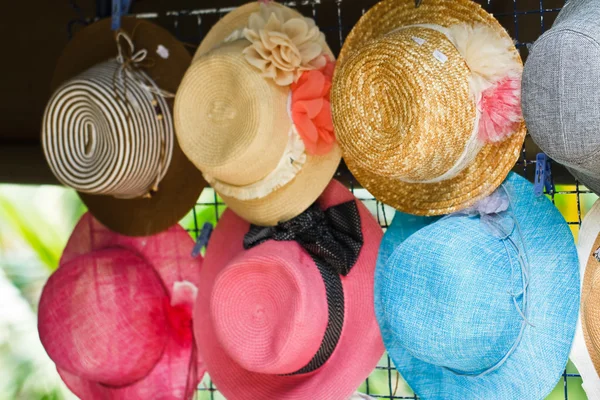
[[283, 44]]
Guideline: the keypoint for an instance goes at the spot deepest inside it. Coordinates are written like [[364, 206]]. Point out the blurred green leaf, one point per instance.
[[47, 253]]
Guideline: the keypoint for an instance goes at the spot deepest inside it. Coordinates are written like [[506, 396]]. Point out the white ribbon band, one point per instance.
[[290, 164]]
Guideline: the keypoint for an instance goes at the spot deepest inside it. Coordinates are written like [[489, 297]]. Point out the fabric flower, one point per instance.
[[500, 107], [283, 45], [311, 110], [181, 309], [495, 203], [491, 211]]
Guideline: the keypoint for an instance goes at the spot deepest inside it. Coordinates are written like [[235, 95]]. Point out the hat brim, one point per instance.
[[588, 234], [292, 199], [358, 350], [402, 226], [169, 254], [494, 161], [589, 181], [182, 184], [532, 370]]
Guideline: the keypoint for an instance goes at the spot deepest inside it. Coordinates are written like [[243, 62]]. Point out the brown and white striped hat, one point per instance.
[[108, 128]]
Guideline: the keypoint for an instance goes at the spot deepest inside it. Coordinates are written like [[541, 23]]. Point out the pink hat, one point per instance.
[[286, 312], [116, 316]]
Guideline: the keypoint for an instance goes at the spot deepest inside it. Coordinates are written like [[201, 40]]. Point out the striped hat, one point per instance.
[[108, 130]]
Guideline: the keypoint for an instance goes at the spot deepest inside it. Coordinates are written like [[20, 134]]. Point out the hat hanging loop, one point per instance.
[[492, 219]]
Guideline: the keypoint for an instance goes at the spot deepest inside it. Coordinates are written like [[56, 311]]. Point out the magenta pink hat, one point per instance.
[[116, 316], [286, 312]]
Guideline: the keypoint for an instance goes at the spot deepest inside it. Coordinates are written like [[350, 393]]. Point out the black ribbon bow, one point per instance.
[[333, 236]]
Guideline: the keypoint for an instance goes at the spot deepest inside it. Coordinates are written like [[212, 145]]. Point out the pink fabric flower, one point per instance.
[[311, 109], [500, 107], [180, 310]]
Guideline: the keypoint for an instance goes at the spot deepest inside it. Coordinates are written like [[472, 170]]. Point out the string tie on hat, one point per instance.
[[333, 238], [499, 222], [132, 63]]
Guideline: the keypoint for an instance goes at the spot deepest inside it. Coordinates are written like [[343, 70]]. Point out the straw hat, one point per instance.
[[108, 130], [253, 112], [560, 93], [482, 303], [585, 354], [286, 312], [426, 104], [116, 315]]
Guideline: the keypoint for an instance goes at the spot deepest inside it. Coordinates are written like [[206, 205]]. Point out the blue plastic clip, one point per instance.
[[543, 175], [203, 239], [119, 8]]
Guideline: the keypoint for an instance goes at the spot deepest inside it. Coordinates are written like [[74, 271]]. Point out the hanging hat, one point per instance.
[[426, 104], [483, 303], [108, 127], [561, 103], [116, 316], [585, 353], [286, 312], [253, 112]]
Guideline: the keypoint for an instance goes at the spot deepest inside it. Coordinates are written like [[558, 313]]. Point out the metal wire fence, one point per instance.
[[525, 20]]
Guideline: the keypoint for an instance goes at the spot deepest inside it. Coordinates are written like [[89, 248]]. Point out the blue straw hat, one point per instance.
[[482, 304], [402, 226]]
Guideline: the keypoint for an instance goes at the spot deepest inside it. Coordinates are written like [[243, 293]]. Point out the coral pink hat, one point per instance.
[[116, 315], [287, 312]]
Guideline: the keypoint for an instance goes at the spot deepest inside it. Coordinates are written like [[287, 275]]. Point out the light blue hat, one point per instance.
[[483, 304]]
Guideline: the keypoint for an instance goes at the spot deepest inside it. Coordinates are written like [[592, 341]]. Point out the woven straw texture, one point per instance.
[[183, 183], [442, 301], [233, 124], [585, 352], [359, 347], [395, 117], [590, 293], [109, 302]]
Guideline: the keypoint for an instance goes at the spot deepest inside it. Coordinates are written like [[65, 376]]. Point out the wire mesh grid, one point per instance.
[[525, 20]]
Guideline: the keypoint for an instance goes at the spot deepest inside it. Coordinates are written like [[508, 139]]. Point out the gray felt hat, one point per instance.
[[561, 91]]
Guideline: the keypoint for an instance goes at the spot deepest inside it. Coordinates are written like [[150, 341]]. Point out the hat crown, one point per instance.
[[232, 123], [560, 100], [391, 81], [582, 15], [102, 317], [463, 287], [269, 308]]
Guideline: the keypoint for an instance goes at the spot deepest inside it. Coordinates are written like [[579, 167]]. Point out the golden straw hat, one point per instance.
[[426, 104], [253, 112], [585, 352]]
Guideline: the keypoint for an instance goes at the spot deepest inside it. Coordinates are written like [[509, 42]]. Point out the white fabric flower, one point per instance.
[[283, 45]]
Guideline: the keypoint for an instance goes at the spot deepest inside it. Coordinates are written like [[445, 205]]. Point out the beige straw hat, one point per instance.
[[426, 104], [253, 113], [585, 352]]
